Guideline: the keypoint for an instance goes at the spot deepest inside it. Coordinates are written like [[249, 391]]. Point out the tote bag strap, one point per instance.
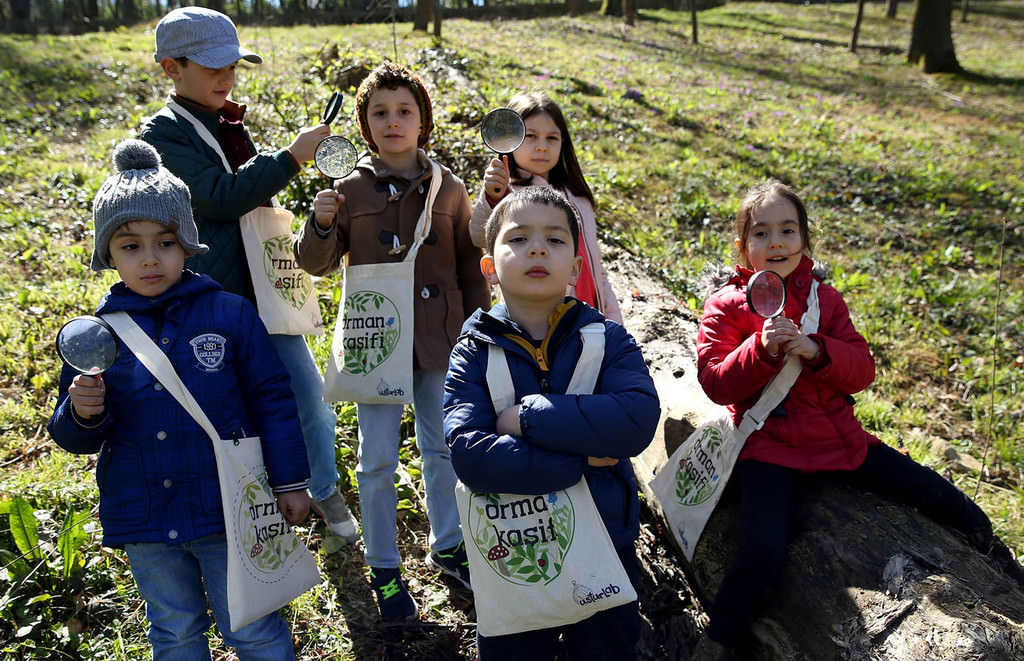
[[776, 390], [201, 129], [206, 136], [159, 365], [584, 378], [423, 224]]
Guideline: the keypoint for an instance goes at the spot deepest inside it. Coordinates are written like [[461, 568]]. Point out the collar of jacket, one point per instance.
[[231, 111], [120, 297], [380, 170], [540, 354]]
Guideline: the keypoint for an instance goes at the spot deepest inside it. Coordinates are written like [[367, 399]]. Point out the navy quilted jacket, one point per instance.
[[156, 471], [559, 431]]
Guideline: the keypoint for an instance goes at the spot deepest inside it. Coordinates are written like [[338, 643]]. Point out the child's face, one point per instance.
[[534, 258], [147, 256], [773, 239], [542, 147], [394, 120], [207, 87]]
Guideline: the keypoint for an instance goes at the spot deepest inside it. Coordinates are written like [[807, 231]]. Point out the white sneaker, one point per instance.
[[338, 516]]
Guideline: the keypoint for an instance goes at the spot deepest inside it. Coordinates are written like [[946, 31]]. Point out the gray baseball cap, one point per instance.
[[204, 36]]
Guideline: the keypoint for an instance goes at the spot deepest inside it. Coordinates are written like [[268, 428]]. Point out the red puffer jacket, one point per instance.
[[814, 429]]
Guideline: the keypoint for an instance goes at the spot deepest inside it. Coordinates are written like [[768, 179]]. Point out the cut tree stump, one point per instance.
[[865, 578]]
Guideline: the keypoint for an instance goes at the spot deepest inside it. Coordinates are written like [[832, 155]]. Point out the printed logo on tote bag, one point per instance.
[[524, 538], [698, 474], [372, 326], [262, 529], [290, 282]]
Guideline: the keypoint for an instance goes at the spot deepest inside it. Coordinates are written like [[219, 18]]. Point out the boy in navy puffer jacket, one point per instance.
[[550, 440], [159, 494]]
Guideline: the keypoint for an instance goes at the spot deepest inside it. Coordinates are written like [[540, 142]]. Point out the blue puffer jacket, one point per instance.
[[559, 431], [156, 471]]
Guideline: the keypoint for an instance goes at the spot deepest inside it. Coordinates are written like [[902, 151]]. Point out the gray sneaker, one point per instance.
[[337, 516]]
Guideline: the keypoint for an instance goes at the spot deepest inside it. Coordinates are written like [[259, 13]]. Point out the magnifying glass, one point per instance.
[[335, 156], [503, 130], [766, 294], [87, 344]]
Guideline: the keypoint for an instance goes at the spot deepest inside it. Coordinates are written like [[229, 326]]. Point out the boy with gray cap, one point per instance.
[[198, 49], [159, 494]]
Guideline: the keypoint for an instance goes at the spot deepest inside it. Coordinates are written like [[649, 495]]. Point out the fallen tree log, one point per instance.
[[865, 578]]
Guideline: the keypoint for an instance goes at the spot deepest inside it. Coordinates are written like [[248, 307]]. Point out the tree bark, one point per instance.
[[424, 8], [865, 578], [611, 8], [931, 41], [856, 26], [693, 20], [890, 8], [436, 4], [629, 12]]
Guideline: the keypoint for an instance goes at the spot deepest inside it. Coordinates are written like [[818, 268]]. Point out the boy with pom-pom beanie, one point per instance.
[[159, 494]]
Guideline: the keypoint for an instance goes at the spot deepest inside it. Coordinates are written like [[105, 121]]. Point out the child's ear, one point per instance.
[[487, 268], [577, 265], [171, 67]]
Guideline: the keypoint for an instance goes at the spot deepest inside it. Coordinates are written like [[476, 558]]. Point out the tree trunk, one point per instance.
[[865, 578], [424, 8], [890, 8], [856, 26], [436, 5], [963, 11], [693, 20], [611, 8], [629, 12], [931, 41], [573, 7]]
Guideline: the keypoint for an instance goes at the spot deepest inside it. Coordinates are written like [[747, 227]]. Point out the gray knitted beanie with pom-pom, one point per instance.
[[142, 189]]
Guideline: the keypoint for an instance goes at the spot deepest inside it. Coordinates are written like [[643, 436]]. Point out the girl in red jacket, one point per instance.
[[814, 429]]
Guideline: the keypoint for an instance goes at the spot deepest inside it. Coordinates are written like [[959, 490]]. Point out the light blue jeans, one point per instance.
[[316, 416], [171, 579], [378, 460]]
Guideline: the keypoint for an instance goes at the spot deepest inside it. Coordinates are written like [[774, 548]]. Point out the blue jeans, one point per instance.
[[378, 460], [171, 579], [317, 417], [610, 635]]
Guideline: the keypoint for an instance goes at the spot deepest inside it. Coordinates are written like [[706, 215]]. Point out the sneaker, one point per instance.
[[452, 562], [338, 516], [393, 598]]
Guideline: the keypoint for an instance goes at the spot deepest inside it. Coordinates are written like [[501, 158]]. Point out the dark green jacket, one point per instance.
[[219, 198]]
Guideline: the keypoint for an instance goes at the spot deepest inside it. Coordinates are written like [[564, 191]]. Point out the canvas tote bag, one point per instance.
[[371, 351], [268, 565], [691, 482], [540, 561], [285, 297]]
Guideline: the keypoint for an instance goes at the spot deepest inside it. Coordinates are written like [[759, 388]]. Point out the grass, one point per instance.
[[911, 180]]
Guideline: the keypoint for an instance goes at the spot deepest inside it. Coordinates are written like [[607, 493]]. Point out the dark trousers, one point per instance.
[[768, 495], [609, 635]]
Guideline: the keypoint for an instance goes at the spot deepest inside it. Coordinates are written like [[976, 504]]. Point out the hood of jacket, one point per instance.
[[716, 275]]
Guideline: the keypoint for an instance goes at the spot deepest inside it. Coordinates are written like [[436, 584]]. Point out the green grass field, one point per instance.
[[914, 184]]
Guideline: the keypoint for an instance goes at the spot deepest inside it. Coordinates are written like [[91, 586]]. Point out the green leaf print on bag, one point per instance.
[[262, 528], [371, 326], [290, 282], [697, 477], [524, 539]]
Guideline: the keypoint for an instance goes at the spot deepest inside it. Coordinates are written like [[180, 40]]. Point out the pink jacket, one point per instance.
[[815, 428]]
